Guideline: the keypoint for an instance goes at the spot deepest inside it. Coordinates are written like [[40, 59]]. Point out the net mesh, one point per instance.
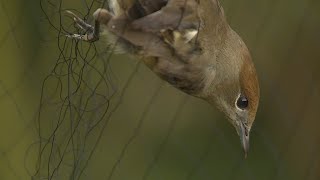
[[76, 110]]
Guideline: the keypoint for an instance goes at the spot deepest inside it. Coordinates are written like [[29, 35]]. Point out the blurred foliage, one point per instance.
[[146, 128]]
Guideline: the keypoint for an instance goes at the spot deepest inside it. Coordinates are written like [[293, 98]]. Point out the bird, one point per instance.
[[190, 45]]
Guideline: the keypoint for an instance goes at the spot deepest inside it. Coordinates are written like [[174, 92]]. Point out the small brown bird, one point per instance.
[[189, 44]]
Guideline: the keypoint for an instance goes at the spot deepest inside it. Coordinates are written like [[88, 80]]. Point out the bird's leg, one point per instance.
[[120, 26], [92, 34]]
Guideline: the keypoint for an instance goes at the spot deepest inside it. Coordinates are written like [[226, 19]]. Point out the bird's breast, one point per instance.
[[184, 77]]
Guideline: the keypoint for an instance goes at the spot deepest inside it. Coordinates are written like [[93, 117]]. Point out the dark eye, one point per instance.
[[242, 102]]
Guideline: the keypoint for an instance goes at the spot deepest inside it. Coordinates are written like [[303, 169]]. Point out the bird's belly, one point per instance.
[[180, 76]]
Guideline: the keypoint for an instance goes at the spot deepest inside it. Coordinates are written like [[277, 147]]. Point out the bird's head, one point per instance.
[[235, 88]]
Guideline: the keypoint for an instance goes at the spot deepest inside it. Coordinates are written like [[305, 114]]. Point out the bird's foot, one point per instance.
[[91, 32]]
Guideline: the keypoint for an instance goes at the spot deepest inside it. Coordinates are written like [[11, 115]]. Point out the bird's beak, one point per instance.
[[244, 137]]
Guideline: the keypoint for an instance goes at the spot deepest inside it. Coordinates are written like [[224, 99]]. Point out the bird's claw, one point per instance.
[[91, 33]]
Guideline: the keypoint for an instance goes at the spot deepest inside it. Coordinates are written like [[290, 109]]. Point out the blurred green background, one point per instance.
[[134, 126]]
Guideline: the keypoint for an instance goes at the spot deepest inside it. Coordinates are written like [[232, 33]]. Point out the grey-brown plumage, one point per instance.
[[189, 44]]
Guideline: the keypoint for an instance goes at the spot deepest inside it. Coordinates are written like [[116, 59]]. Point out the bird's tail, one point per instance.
[[135, 8], [114, 7]]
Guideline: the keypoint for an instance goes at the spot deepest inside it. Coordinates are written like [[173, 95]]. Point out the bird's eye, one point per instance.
[[242, 102]]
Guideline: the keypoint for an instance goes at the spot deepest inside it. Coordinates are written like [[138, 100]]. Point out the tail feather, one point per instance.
[[114, 7], [135, 8]]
